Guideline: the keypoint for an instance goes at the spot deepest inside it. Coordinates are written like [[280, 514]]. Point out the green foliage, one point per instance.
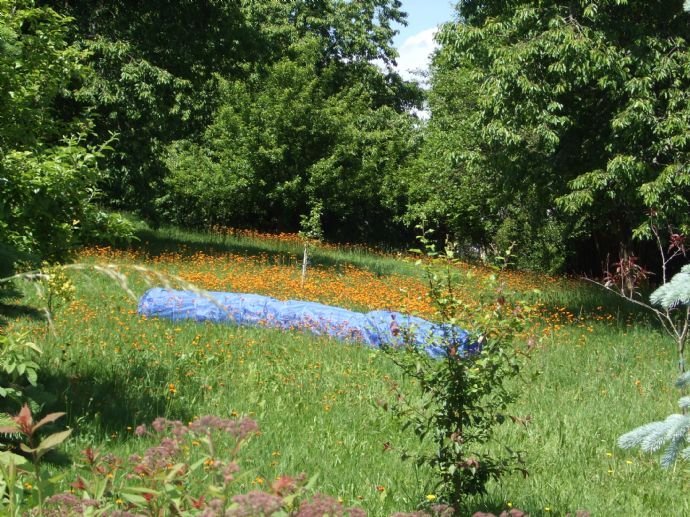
[[177, 80], [248, 166], [465, 394], [54, 288], [311, 232], [289, 137], [18, 369], [310, 225], [48, 196], [672, 432], [151, 80], [541, 246], [37, 66], [48, 172], [447, 185], [576, 116]]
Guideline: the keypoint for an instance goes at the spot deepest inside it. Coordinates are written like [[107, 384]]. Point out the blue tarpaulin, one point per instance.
[[375, 328]]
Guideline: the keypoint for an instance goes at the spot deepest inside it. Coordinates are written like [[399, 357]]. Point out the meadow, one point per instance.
[[596, 369]]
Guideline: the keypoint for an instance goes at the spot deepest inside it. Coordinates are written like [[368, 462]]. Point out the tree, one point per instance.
[[463, 207], [163, 70], [48, 174], [315, 122], [580, 114], [283, 141], [153, 80]]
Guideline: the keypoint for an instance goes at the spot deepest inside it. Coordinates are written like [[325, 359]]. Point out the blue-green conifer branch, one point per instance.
[[672, 432], [675, 292]]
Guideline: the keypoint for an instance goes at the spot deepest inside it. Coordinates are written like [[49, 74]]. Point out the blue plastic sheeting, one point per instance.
[[375, 328]]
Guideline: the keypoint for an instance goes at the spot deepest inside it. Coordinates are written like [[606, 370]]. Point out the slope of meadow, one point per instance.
[[596, 370]]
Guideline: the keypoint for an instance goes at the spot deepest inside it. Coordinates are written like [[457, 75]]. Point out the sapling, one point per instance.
[[310, 232], [674, 299], [670, 303], [465, 394], [627, 275]]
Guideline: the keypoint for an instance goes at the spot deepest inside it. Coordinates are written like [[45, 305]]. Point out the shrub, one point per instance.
[[465, 394], [18, 369]]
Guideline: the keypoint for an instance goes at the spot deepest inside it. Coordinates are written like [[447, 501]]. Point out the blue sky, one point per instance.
[[416, 41], [423, 15]]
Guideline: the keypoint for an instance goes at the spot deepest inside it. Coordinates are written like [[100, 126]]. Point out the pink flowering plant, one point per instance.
[[190, 469]]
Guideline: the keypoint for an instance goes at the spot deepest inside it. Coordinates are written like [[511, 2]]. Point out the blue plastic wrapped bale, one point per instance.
[[375, 328], [395, 329]]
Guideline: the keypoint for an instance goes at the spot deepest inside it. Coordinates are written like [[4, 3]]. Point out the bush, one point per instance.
[[465, 394]]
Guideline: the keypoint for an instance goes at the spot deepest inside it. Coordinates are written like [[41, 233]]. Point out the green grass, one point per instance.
[[590, 388], [316, 400], [281, 251]]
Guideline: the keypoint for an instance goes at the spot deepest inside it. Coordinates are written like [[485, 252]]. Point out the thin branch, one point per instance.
[[664, 318], [664, 262]]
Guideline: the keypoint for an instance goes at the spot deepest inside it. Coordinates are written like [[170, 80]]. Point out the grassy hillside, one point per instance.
[[597, 370]]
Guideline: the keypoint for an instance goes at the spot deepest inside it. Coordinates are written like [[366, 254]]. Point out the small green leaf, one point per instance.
[[53, 441], [312, 482], [139, 490], [26, 448], [173, 472], [133, 498], [33, 347], [52, 417], [7, 457]]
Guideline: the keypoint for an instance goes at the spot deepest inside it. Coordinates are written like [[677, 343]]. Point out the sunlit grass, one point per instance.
[[597, 370]]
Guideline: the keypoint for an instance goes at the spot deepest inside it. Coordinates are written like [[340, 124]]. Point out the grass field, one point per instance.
[[598, 369]]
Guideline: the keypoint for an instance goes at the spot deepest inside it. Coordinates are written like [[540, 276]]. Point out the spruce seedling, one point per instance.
[[674, 298]]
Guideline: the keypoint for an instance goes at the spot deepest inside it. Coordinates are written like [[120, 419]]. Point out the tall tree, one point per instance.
[[154, 67], [318, 122], [581, 114], [48, 175], [162, 69]]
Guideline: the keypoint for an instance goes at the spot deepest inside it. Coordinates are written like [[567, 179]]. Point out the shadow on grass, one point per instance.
[[488, 505], [104, 403], [13, 311], [154, 243], [590, 301], [494, 506], [12, 308]]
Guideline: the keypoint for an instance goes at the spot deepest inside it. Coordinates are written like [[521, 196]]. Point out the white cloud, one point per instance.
[[415, 53]]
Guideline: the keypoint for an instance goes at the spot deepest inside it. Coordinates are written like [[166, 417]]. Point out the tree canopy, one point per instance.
[[48, 172], [580, 114], [556, 127]]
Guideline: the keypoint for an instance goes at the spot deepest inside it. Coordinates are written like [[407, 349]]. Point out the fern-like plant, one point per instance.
[[672, 433]]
